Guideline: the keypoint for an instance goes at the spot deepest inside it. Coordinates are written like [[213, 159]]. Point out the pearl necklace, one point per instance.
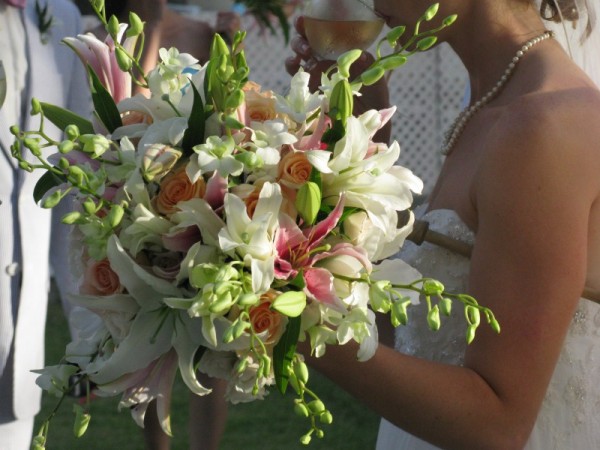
[[457, 127]]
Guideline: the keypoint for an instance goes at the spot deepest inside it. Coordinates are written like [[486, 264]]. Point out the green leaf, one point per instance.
[[105, 106], [45, 183], [63, 117], [194, 134], [283, 353]]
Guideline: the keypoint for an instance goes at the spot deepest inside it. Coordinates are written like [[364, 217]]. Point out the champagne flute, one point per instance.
[[336, 26]]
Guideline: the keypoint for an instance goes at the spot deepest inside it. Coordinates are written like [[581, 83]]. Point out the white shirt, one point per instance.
[[13, 56]]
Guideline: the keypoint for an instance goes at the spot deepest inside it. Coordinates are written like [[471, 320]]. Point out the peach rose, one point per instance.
[[294, 169], [177, 187], [264, 319], [259, 106], [100, 279]]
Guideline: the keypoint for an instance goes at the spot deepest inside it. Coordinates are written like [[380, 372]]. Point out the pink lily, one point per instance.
[[296, 252], [100, 55]]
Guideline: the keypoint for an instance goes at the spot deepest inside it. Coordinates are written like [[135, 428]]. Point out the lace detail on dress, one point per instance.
[[570, 414]]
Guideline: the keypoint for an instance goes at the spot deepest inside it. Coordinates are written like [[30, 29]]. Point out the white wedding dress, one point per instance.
[[570, 415]]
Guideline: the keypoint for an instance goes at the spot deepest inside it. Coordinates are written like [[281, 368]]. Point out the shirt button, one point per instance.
[[12, 269]]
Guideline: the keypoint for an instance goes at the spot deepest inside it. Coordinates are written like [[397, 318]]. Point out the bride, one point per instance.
[[521, 184]]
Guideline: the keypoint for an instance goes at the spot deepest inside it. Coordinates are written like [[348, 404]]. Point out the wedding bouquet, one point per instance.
[[217, 224]]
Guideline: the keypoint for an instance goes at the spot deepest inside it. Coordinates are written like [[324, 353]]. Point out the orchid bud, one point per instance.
[[290, 303], [82, 420], [426, 43], [158, 160], [316, 407], [136, 26], [431, 12], [112, 27], [446, 306], [301, 371], [342, 101], [52, 200], [250, 160], [72, 132], [399, 314], [64, 163], [379, 296], [115, 215], [319, 433], [71, 218], [235, 99], [345, 60], [433, 318], [450, 20], [33, 145], [393, 62], [473, 315], [308, 201], [372, 75], [432, 287], [89, 206], [471, 333], [65, 146], [24, 165], [305, 439], [394, 34], [326, 417], [248, 299], [36, 107], [495, 325], [123, 60], [14, 130], [301, 410], [94, 144]]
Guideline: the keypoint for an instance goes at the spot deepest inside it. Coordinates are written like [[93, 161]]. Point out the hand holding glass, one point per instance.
[[335, 26]]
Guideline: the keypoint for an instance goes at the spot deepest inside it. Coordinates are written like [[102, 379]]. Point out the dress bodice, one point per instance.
[[570, 415]]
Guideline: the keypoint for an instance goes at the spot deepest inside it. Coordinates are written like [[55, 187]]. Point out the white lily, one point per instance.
[[145, 230]]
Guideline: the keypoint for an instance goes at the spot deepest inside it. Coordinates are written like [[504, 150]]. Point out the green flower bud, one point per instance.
[[89, 206], [71, 218], [446, 306], [241, 365], [248, 299], [342, 101], [379, 296], [76, 175], [450, 20], [249, 159], [94, 144], [301, 410], [36, 107], [235, 99], [266, 366], [301, 371], [432, 287], [290, 303], [82, 420], [393, 62], [239, 327], [473, 315], [431, 12], [495, 325], [426, 43], [233, 123], [399, 313], [65, 146], [316, 407], [64, 164], [24, 165], [228, 335], [394, 34], [433, 318], [372, 75], [136, 26], [33, 144], [293, 381], [15, 130], [305, 439], [319, 433], [345, 60], [123, 60], [72, 132], [115, 215], [308, 201], [52, 200], [326, 417], [471, 333], [112, 27]]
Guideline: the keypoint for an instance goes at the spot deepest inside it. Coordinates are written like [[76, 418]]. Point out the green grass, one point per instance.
[[269, 424]]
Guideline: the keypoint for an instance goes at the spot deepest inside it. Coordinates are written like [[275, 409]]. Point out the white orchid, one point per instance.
[[215, 155], [299, 103]]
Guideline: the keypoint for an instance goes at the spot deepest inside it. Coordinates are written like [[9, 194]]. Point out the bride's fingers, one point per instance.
[[299, 26], [292, 64], [301, 47]]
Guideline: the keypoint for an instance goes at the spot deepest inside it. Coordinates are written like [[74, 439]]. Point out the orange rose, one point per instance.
[[294, 169], [264, 319], [100, 279], [260, 106], [177, 187]]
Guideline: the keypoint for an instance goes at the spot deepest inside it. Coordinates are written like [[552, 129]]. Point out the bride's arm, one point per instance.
[[533, 197]]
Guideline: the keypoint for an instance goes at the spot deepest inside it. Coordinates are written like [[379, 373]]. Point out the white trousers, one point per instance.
[[16, 435]]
